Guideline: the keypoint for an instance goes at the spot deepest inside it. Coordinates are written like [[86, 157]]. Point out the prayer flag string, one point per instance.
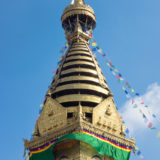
[[126, 87]]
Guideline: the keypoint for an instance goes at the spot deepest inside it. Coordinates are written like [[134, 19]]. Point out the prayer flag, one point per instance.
[[40, 111], [92, 40], [153, 128], [123, 121], [127, 131], [141, 156], [123, 88], [121, 79], [153, 115], [115, 70], [132, 101], [94, 44], [150, 112], [67, 44], [150, 125], [129, 86], [61, 57], [113, 73], [59, 61], [94, 49], [126, 92], [54, 71], [138, 153], [140, 111], [132, 90], [61, 51], [103, 55], [118, 77], [144, 115], [158, 134], [137, 94], [90, 35], [128, 96], [41, 105], [63, 48], [100, 50], [97, 47]]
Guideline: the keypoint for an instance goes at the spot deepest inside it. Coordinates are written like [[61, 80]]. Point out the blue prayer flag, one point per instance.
[[138, 153]]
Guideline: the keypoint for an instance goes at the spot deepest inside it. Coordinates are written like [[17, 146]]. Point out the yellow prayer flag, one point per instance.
[[125, 127], [149, 111], [133, 91], [66, 44], [94, 44], [41, 105], [158, 134], [140, 111], [115, 70], [123, 88], [27, 158]]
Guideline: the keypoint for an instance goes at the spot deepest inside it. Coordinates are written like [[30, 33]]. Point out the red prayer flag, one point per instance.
[[118, 77], [150, 125], [54, 71], [90, 35]]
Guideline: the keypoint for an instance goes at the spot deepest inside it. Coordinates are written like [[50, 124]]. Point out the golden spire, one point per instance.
[[79, 96], [77, 1]]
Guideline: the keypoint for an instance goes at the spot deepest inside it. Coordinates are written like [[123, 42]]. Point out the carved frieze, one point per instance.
[[52, 117], [106, 117]]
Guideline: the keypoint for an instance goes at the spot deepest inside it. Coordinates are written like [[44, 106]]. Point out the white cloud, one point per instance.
[[132, 117]]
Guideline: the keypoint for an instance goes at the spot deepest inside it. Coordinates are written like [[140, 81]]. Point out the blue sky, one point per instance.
[[30, 39]]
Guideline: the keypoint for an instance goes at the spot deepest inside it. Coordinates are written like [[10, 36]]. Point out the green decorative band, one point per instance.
[[102, 145]]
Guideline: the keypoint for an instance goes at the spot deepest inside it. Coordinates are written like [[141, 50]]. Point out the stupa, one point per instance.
[[79, 120]]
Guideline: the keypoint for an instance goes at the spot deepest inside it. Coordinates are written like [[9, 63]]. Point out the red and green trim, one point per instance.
[[104, 146]]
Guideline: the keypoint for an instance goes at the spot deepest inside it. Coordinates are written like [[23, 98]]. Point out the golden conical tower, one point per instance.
[[79, 97]]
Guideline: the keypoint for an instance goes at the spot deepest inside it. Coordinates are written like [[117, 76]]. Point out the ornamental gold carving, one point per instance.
[[53, 117]]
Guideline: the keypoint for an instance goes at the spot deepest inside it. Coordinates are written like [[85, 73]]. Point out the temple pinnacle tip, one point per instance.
[[77, 1]]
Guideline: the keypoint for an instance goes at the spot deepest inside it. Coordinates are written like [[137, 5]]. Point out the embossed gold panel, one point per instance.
[[106, 116], [52, 117]]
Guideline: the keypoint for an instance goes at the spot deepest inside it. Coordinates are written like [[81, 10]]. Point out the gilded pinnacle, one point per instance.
[[77, 1]]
